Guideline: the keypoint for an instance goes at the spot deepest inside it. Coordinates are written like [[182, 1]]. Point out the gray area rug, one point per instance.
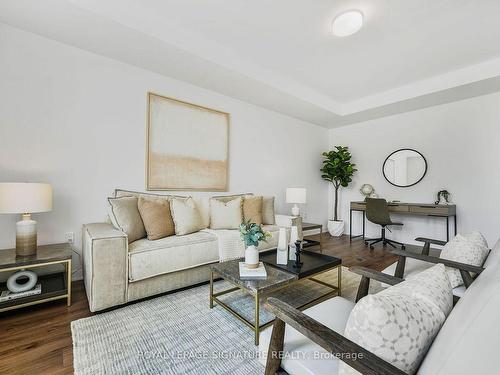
[[179, 334]]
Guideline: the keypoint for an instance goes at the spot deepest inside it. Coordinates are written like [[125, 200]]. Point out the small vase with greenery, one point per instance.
[[252, 234], [338, 170]]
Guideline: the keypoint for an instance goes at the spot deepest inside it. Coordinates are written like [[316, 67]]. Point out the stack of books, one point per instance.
[[7, 295], [258, 273]]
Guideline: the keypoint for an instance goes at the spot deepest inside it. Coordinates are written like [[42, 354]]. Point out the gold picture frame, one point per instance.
[[187, 146]]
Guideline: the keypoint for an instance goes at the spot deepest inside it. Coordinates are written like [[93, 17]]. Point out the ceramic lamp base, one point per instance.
[[295, 210], [26, 236]]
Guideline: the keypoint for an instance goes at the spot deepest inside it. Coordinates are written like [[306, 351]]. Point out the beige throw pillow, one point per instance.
[[156, 216], [252, 209], [268, 210], [187, 218], [226, 215], [124, 215]]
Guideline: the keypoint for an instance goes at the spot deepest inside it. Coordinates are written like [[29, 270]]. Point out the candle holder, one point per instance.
[[298, 248]]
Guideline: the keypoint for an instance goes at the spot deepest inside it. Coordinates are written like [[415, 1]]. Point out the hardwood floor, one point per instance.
[[37, 340]]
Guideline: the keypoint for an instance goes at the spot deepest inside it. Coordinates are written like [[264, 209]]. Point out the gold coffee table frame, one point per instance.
[[258, 296]]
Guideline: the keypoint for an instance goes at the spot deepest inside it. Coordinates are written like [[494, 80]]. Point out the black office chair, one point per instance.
[[377, 212]]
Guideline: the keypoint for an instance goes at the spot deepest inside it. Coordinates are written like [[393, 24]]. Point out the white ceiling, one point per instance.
[[281, 54]]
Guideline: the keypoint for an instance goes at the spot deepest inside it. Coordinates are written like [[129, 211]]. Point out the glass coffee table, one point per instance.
[[278, 278]]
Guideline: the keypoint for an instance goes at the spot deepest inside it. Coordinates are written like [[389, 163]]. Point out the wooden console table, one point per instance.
[[420, 209], [55, 285]]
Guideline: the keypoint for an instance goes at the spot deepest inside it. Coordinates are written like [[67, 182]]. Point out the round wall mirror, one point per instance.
[[404, 167]]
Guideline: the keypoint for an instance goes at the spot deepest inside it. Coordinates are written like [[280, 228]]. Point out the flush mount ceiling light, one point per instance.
[[347, 23]]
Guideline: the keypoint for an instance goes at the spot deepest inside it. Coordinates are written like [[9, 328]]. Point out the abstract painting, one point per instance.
[[187, 146]]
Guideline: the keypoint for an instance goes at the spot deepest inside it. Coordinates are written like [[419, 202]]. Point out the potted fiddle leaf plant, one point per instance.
[[338, 170]]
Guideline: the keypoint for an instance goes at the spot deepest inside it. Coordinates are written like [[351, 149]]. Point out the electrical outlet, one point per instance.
[[69, 237]]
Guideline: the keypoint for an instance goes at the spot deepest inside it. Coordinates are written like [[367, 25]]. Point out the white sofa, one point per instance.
[[116, 272], [466, 343]]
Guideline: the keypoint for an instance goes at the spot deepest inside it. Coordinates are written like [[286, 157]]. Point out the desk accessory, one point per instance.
[[367, 191], [443, 197], [25, 199]]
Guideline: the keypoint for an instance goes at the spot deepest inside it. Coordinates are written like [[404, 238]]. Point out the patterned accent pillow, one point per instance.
[[468, 250], [400, 323], [431, 285], [477, 238], [226, 214]]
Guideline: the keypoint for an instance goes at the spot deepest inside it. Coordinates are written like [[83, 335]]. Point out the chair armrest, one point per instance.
[[446, 262], [427, 244], [344, 349], [431, 241], [376, 275], [105, 264]]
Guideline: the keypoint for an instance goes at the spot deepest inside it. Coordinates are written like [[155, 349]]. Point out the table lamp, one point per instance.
[[296, 196], [25, 199]]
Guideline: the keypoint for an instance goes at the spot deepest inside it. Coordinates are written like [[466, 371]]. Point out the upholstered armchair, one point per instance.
[[410, 263], [329, 339]]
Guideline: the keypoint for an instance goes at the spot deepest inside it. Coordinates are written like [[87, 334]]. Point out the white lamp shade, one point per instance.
[[19, 198], [296, 195]]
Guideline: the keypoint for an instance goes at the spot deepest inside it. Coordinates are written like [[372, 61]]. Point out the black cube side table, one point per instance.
[[54, 285]]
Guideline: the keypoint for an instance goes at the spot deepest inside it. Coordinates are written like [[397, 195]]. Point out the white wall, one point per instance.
[[461, 142], [77, 120]]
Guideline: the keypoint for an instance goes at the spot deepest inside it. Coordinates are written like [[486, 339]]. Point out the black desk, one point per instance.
[[419, 209]]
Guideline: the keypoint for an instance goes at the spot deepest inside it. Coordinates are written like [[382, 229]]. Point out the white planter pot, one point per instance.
[[251, 257], [335, 228]]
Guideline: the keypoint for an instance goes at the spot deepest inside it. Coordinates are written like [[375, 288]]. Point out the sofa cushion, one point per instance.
[[268, 210], [201, 201], [397, 324], [124, 215], [226, 214], [156, 216], [170, 254], [186, 216], [332, 313], [468, 250], [252, 209]]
